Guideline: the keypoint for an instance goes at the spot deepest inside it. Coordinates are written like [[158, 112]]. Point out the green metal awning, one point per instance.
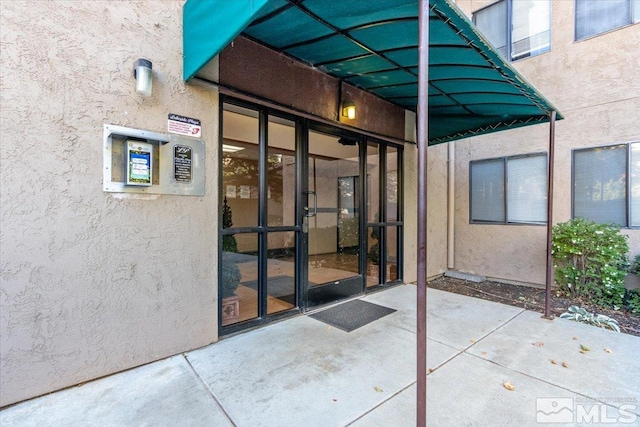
[[373, 45]]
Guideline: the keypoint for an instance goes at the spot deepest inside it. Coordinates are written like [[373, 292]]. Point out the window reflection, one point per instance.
[[240, 169], [281, 172], [239, 280]]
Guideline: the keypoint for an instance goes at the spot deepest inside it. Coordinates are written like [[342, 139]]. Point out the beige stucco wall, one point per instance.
[[436, 206], [595, 84], [93, 282]]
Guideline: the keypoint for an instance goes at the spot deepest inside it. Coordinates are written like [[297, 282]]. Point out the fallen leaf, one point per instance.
[[583, 352], [607, 350], [538, 344], [565, 365], [554, 362], [575, 338], [508, 386], [472, 340], [584, 348], [430, 370], [378, 389], [484, 352]]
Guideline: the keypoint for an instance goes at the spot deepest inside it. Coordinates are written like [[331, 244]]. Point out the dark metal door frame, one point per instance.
[[302, 129], [352, 286]]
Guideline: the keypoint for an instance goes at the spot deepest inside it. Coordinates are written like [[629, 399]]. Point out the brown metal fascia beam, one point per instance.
[[241, 95], [423, 140]]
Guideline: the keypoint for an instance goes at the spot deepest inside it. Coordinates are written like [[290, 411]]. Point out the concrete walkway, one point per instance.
[[301, 372]]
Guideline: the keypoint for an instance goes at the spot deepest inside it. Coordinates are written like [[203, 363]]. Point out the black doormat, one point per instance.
[[352, 315]]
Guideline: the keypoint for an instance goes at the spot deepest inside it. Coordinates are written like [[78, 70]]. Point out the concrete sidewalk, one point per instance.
[[301, 372]]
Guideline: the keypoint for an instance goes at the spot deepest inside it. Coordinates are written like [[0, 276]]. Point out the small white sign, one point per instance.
[[245, 191], [182, 125]]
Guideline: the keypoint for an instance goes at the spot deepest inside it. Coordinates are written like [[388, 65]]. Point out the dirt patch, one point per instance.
[[531, 299]]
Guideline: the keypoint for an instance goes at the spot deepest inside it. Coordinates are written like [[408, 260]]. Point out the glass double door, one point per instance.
[[292, 232]]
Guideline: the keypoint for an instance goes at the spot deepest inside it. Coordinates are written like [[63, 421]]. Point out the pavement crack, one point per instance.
[[206, 386]]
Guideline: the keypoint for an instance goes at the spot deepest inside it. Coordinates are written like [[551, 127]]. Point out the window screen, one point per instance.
[[527, 189], [600, 184], [487, 191], [634, 184], [598, 16], [492, 21]]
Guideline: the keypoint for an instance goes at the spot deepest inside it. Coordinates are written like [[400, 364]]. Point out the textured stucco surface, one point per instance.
[[436, 206], [595, 85], [92, 282]]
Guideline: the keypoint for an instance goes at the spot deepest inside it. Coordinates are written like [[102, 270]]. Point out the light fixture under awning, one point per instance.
[[373, 45]]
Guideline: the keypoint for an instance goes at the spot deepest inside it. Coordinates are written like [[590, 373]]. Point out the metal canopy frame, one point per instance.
[[423, 55], [374, 46]]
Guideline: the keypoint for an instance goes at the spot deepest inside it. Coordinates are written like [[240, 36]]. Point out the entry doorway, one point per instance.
[[332, 218], [300, 216]]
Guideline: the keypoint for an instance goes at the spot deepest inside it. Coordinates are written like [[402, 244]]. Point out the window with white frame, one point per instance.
[[606, 184], [516, 28], [509, 190], [599, 16]]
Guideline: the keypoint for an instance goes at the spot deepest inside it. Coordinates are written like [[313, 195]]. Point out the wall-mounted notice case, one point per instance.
[[138, 161]]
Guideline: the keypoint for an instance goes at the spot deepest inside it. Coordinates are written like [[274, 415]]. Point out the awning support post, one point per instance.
[[423, 140], [549, 279]]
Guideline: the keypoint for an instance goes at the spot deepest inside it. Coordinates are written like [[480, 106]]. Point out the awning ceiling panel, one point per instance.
[[373, 45]]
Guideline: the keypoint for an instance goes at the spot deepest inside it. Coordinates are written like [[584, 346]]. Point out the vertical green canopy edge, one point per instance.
[[208, 28]]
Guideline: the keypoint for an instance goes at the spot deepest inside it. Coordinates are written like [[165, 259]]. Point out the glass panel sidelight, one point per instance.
[[281, 172], [392, 184], [373, 256], [392, 254], [373, 182], [240, 171], [239, 278], [281, 271]]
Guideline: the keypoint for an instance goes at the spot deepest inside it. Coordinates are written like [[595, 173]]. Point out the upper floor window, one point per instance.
[[606, 184], [598, 16], [509, 190], [517, 28]]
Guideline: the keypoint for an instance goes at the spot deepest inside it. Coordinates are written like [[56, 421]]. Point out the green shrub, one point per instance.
[[635, 265], [632, 301], [590, 261]]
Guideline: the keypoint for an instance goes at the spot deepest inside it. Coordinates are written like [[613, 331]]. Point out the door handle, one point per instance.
[[307, 212]]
